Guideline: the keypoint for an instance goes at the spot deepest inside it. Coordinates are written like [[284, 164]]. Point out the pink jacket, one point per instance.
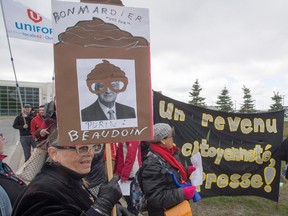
[[123, 167]]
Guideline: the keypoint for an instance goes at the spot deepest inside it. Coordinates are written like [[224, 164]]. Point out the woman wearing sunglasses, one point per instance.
[[58, 188]]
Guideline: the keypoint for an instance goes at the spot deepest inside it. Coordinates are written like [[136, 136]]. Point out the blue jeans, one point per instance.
[[5, 204], [27, 143]]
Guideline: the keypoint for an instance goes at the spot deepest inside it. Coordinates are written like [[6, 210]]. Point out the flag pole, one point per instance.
[[12, 61], [53, 86]]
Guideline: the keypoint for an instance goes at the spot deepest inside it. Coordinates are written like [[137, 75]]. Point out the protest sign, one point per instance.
[[102, 72], [240, 152]]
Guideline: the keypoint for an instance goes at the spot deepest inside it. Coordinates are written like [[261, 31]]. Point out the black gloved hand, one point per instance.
[[97, 174], [122, 211], [108, 196]]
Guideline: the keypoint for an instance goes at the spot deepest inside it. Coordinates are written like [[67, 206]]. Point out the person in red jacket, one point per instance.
[[49, 124], [127, 162], [37, 121]]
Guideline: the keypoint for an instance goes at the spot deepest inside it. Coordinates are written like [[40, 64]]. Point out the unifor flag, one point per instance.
[[25, 23]]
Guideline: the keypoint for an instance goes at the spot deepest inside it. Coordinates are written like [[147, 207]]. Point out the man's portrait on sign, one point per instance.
[[107, 93]]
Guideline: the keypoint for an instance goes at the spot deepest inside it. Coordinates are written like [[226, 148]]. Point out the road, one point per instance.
[[12, 146]]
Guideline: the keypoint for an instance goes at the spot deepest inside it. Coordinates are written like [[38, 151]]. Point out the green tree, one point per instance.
[[197, 100], [248, 103], [277, 102], [224, 101]]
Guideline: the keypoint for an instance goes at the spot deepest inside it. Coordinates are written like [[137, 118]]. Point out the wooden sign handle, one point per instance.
[[109, 167]]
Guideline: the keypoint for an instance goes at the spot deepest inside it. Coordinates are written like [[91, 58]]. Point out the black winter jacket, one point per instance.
[[97, 175], [11, 183], [158, 186], [56, 190], [19, 123]]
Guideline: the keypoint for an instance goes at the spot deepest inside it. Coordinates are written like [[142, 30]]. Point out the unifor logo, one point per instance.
[[35, 17]]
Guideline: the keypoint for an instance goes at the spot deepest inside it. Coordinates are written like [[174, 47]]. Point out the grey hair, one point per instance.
[[53, 138]]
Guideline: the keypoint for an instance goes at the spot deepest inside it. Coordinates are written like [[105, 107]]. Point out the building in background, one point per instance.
[[33, 93]]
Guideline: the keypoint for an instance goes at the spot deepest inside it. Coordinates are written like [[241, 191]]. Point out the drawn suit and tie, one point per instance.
[[106, 81]]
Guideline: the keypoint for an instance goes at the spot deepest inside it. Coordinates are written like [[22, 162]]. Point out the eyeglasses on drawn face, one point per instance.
[[117, 85], [83, 149]]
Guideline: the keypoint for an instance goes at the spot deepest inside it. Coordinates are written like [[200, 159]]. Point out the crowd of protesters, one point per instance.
[[73, 180]]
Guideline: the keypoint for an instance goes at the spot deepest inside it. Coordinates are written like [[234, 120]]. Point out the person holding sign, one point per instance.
[[37, 121], [106, 81], [22, 123], [58, 188], [159, 168]]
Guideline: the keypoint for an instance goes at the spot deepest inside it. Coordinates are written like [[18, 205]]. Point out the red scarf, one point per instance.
[[2, 157], [167, 154]]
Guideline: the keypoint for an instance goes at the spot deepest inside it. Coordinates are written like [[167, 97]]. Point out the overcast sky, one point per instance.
[[219, 42]]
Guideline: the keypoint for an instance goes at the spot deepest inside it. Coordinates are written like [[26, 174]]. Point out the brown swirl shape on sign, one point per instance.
[[112, 2], [96, 33]]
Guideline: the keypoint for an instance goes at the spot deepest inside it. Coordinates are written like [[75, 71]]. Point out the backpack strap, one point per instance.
[[160, 159], [164, 170]]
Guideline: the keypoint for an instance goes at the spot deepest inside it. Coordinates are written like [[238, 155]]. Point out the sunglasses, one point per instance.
[[83, 149]]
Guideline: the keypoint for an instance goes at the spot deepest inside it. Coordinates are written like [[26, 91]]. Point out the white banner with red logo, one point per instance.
[[25, 23]]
